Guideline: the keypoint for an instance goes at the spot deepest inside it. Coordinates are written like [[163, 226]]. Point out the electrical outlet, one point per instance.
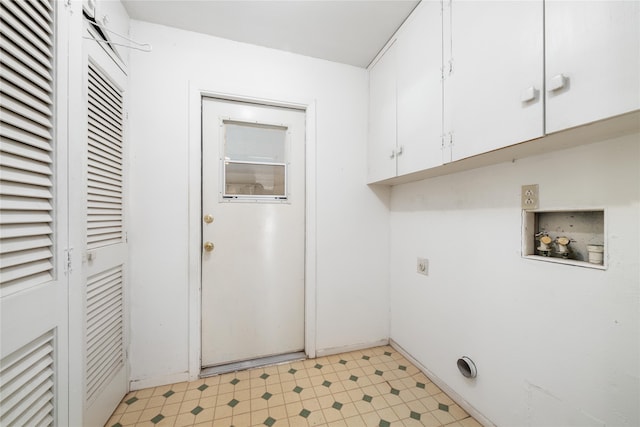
[[422, 266], [529, 196]]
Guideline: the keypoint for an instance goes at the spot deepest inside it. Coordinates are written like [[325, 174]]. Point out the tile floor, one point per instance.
[[371, 388]]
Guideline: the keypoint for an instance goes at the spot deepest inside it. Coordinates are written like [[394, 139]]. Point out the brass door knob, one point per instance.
[[208, 246]]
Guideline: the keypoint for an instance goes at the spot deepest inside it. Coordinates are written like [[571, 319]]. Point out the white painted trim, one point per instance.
[[158, 381], [196, 92], [444, 386], [352, 347]]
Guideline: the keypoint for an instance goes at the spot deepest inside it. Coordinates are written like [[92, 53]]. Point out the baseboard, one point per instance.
[[444, 387], [158, 381], [353, 347]]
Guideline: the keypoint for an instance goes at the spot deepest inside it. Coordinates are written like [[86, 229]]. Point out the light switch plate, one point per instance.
[[529, 196]]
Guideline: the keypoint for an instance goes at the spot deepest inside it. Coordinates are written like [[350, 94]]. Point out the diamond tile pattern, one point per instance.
[[375, 387]]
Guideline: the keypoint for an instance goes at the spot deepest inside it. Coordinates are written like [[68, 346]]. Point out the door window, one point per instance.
[[255, 164]]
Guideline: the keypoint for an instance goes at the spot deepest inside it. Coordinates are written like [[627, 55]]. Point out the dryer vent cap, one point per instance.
[[467, 367]]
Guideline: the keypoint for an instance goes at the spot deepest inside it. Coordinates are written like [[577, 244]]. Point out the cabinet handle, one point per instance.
[[400, 150], [529, 94], [393, 154], [557, 82]]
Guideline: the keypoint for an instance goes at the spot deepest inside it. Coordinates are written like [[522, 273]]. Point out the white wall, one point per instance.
[[554, 345], [352, 221]]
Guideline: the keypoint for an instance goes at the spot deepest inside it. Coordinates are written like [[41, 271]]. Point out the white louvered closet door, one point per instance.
[[33, 211], [106, 376]]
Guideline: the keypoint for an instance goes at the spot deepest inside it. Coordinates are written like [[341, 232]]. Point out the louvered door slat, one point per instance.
[[97, 159], [104, 160], [9, 231], [100, 138], [104, 152], [25, 85], [27, 383], [105, 89], [26, 53], [26, 98], [104, 325], [12, 217], [39, 14], [42, 119], [25, 203], [24, 243], [106, 110], [27, 124], [24, 190], [22, 70], [17, 162], [19, 20]]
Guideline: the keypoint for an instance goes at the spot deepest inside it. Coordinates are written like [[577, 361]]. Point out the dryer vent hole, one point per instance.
[[466, 367]]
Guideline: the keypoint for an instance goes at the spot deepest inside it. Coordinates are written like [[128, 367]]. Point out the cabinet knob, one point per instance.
[[529, 94], [557, 82], [393, 154]]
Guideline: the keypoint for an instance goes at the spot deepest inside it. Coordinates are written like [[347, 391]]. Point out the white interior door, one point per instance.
[[33, 212], [253, 201], [104, 260]]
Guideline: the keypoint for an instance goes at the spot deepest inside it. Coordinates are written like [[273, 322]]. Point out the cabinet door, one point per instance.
[[592, 61], [419, 50], [493, 91], [382, 117]]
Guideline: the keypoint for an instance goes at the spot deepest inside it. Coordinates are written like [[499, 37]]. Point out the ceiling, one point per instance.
[[349, 32]]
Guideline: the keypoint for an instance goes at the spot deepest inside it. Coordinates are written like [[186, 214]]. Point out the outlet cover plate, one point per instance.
[[529, 196]]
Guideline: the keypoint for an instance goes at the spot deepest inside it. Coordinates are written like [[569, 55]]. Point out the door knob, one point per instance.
[[208, 246]]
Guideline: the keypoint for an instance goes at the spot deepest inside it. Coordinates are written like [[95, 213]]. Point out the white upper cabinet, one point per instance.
[[419, 100], [405, 98], [382, 117], [493, 66], [468, 77], [592, 61]]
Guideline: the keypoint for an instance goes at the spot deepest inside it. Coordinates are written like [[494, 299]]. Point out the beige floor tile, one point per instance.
[[331, 414], [388, 414], [241, 419], [364, 407], [170, 409], [297, 421], [443, 398], [206, 414], [428, 420], [284, 405], [316, 418], [156, 401], [242, 407], [187, 419], [294, 409], [222, 422], [165, 422], [349, 410], [442, 416], [457, 412], [188, 406], [176, 397]]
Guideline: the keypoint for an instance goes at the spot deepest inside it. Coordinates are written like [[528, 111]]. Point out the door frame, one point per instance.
[[196, 92]]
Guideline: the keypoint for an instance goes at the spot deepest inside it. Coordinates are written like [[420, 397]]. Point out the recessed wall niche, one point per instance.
[[572, 237]]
